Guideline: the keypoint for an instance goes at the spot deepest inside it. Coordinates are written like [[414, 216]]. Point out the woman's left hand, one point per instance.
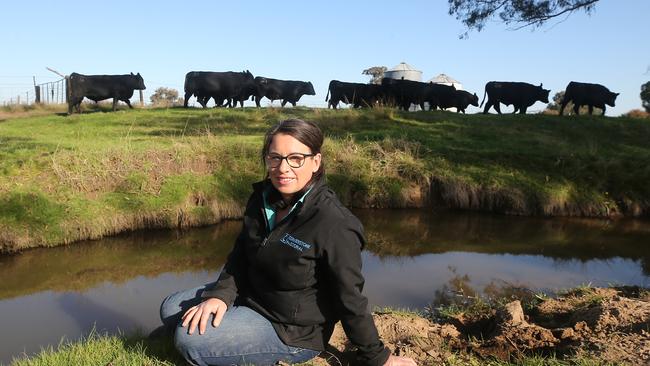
[[399, 361], [200, 314]]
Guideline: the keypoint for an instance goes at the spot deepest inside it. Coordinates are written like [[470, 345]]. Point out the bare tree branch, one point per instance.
[[526, 13]]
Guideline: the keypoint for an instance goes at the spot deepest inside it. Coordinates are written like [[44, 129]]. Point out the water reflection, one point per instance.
[[116, 260], [413, 258], [416, 232]]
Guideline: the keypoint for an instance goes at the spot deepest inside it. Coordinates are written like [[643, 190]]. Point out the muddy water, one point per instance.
[[413, 259]]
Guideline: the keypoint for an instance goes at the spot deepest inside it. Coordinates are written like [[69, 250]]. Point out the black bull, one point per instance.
[[221, 86], [360, 95], [100, 87], [592, 95], [520, 95], [287, 90]]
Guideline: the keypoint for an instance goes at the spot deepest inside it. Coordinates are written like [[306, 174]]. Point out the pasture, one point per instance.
[[68, 178]]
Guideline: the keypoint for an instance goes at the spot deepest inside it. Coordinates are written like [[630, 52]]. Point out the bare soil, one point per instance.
[[607, 324]]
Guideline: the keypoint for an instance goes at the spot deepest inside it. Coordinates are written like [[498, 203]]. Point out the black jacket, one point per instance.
[[304, 275]]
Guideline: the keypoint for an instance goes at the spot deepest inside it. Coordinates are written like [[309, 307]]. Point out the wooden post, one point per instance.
[[67, 89], [141, 99], [37, 94]]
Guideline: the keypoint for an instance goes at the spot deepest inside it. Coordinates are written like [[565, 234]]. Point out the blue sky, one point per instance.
[[319, 41]]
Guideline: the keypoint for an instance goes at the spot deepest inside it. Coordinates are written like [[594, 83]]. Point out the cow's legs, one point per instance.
[[128, 102], [603, 108], [497, 107], [114, 104], [487, 107], [203, 101], [523, 109], [576, 109], [257, 101], [591, 109], [187, 97], [563, 105]]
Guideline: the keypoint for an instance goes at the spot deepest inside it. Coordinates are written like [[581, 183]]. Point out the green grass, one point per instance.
[[67, 178], [98, 349]]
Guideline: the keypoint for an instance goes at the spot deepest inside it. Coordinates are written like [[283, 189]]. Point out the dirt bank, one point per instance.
[[612, 325]]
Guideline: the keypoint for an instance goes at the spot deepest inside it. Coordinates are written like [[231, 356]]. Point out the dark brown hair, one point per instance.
[[307, 133]]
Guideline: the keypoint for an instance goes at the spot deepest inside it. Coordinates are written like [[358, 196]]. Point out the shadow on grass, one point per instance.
[[159, 346]]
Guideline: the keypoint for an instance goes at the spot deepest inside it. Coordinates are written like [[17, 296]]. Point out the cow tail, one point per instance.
[[328, 94], [483, 101]]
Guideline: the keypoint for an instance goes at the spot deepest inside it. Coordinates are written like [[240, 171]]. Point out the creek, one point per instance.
[[414, 259]]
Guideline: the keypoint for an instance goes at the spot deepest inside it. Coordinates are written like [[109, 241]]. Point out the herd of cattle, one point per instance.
[[230, 88]]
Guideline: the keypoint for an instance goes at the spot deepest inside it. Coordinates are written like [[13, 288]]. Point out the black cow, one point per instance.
[[222, 86], [403, 93], [592, 95], [357, 94], [100, 87], [288, 90], [520, 95], [461, 99], [439, 96]]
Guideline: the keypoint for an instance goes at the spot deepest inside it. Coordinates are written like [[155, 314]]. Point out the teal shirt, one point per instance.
[[270, 212]]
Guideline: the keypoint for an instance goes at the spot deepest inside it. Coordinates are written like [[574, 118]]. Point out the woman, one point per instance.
[[295, 270]]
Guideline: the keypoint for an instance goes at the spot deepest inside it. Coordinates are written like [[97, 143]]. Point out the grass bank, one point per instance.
[[68, 178]]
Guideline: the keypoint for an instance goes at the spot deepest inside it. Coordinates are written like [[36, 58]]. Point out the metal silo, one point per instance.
[[404, 70], [447, 80]]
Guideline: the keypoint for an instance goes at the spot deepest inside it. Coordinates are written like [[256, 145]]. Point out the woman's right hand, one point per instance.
[[200, 314]]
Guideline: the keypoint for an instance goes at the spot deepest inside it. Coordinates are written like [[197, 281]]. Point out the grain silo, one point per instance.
[[447, 80], [405, 71]]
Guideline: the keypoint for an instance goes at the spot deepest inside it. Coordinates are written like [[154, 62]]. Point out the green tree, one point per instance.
[[377, 73], [474, 14], [165, 97], [645, 96]]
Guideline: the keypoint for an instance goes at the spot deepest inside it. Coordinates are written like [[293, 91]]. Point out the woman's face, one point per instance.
[[283, 151]]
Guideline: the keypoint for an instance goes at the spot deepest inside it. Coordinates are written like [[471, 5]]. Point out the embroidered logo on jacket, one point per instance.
[[294, 243]]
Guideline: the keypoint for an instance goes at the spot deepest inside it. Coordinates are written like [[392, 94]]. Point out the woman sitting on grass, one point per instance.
[[294, 271]]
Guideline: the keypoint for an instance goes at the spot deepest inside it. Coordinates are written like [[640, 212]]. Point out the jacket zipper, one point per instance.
[[268, 229]]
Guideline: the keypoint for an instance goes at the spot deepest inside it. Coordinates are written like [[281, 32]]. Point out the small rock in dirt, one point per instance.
[[449, 331], [564, 333], [513, 313]]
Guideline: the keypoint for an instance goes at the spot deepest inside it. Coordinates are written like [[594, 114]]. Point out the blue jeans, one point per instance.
[[244, 337]]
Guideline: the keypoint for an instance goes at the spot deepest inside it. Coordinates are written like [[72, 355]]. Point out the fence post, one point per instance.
[[68, 89], [37, 94], [141, 99]]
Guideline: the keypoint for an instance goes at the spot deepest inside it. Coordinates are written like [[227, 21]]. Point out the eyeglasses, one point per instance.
[[295, 160]]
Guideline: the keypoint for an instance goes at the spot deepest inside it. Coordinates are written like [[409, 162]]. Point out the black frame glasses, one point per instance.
[[295, 160]]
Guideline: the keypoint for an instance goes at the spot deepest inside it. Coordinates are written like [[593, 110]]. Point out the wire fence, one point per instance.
[[53, 92]]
